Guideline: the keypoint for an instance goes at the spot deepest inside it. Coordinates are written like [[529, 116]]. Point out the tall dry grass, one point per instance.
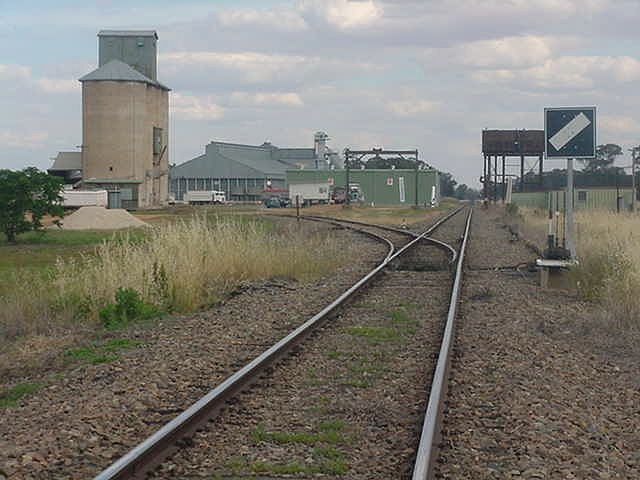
[[608, 270], [178, 267]]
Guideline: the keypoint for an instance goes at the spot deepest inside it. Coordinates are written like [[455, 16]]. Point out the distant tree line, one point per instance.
[[450, 188], [599, 171]]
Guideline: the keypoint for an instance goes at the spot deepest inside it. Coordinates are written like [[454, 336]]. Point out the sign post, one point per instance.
[[568, 216], [570, 133]]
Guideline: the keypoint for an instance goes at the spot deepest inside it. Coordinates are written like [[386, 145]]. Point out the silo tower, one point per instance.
[[322, 151], [125, 121]]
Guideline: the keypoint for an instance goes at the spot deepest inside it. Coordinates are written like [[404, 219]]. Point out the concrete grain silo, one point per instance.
[[125, 122]]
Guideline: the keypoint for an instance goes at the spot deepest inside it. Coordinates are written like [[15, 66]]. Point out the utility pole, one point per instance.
[[417, 183], [347, 191]]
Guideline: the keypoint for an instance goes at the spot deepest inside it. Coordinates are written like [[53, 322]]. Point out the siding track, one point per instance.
[[416, 267]]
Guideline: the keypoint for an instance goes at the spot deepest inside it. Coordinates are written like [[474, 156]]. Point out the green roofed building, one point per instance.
[[246, 172]]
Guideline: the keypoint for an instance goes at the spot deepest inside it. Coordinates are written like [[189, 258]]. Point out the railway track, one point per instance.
[[410, 260]]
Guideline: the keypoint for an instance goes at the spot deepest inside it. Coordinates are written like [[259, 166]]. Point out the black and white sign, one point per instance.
[[570, 132]]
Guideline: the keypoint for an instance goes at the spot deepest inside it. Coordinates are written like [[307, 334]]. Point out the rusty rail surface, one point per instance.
[[155, 448], [431, 430]]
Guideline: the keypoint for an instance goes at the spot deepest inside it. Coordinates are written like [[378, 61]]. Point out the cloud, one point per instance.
[[13, 139], [287, 99], [58, 85], [254, 67], [190, 107], [343, 14], [500, 53], [20, 76], [619, 124], [568, 73], [277, 19], [196, 70], [410, 108]]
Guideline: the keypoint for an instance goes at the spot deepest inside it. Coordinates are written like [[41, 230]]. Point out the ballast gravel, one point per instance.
[[525, 403], [350, 403], [86, 417]]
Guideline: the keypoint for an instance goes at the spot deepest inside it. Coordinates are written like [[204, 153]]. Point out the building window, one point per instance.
[[157, 141], [582, 196]]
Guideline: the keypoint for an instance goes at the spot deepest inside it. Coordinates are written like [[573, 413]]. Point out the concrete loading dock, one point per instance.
[[376, 187]]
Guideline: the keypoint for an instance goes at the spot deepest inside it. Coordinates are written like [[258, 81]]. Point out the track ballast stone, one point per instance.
[[85, 418], [350, 404], [525, 404]]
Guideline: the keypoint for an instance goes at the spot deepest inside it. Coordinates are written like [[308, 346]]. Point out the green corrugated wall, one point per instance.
[[382, 187], [596, 198]]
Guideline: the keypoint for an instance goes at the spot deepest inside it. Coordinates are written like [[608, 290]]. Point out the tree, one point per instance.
[[605, 156], [447, 185], [25, 197], [463, 192]]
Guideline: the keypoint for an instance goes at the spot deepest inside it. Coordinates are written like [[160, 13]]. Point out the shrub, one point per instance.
[[129, 307], [512, 209]]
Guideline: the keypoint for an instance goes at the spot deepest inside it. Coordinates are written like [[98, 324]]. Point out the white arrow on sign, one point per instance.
[[569, 131]]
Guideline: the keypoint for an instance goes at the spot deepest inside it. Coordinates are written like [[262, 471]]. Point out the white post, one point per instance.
[[633, 179], [568, 218]]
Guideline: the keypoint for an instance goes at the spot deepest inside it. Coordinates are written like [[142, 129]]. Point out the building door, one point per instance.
[[114, 199]]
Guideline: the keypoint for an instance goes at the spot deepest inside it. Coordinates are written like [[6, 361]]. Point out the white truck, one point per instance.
[[205, 197], [309, 193], [84, 198]]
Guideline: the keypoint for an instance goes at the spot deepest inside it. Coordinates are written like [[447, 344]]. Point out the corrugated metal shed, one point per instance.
[[380, 187], [68, 166], [584, 198], [137, 48], [242, 171], [67, 161]]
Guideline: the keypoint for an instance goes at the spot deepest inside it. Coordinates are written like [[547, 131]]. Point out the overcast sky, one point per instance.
[[426, 74]]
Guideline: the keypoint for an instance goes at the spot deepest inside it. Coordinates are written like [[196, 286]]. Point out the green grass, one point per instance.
[[334, 355], [362, 373], [403, 322], [328, 458], [374, 335], [37, 252], [89, 355], [11, 397], [327, 467], [101, 353], [330, 436]]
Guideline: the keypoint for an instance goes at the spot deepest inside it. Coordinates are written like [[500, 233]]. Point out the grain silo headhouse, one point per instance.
[[125, 121]]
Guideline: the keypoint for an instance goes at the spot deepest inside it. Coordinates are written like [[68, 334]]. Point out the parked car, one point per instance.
[[275, 202]]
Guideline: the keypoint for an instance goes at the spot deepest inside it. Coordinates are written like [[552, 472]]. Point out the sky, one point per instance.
[[401, 74]]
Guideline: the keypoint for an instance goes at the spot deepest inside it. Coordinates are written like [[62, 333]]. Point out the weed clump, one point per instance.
[[12, 396], [127, 308]]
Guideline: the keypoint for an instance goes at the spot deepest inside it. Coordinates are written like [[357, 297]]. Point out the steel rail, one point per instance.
[[410, 233], [431, 430], [155, 448], [337, 223]]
